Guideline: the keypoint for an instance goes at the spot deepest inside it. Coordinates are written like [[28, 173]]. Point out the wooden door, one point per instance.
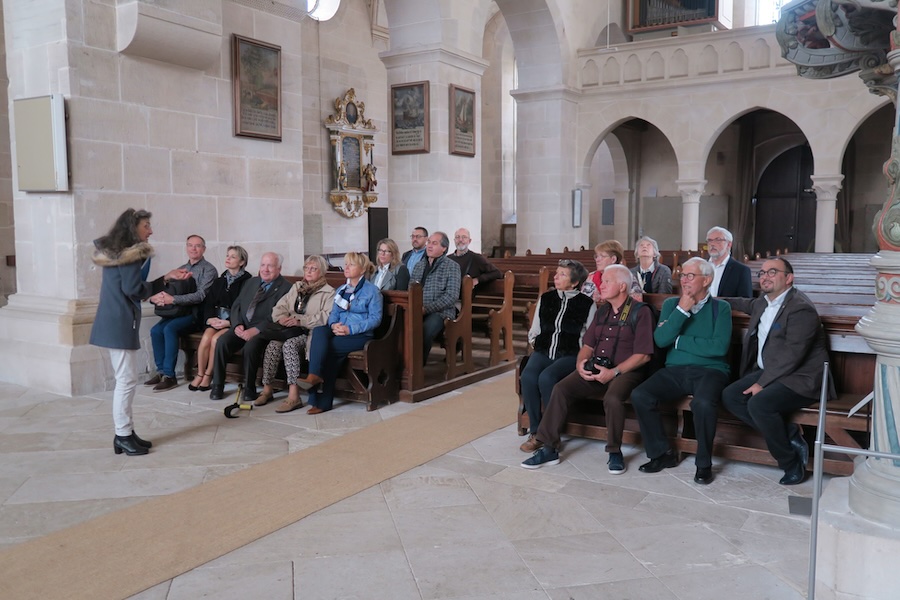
[[785, 215]]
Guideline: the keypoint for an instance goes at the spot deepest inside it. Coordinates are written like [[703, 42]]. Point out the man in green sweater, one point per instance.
[[695, 329]]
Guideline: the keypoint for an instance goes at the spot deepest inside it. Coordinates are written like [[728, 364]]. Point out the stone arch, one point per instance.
[[656, 67], [678, 67], [709, 61], [733, 59], [632, 71], [760, 54], [539, 40], [590, 74], [611, 74]]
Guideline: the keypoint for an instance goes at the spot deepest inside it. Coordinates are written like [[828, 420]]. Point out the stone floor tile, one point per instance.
[[746, 582], [447, 526], [272, 580], [381, 576], [427, 492], [633, 589]]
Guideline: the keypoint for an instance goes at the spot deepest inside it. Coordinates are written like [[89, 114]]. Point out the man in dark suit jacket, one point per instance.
[[440, 281], [732, 278], [250, 314], [781, 365]]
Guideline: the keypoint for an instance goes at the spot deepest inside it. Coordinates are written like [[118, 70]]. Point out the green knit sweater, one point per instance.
[[698, 340]]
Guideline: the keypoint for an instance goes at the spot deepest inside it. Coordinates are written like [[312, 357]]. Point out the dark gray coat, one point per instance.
[[118, 320]]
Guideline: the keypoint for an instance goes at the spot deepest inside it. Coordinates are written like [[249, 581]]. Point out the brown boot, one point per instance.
[[531, 445]]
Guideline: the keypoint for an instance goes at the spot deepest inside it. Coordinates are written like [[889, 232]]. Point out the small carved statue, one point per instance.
[[342, 175], [371, 182]]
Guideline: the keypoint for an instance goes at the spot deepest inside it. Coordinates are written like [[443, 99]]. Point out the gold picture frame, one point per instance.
[[410, 118], [256, 71], [462, 121]]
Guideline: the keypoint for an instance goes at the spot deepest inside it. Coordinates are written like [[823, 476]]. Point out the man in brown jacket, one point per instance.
[[781, 365]]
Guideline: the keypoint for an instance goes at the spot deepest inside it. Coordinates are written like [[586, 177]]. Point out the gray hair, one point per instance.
[[620, 272], [319, 261], [706, 268], [647, 238], [725, 233]]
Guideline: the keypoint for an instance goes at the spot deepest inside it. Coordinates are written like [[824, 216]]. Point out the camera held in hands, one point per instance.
[[592, 365]]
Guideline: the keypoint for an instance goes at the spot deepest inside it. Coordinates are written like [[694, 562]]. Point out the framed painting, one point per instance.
[[462, 121], [256, 71], [410, 120]]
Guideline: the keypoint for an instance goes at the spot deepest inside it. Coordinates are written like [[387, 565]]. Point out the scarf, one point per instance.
[[346, 293], [305, 290], [230, 279]]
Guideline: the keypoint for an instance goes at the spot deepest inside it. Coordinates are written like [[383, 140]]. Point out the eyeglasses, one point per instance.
[[689, 276], [568, 263], [310, 268], [715, 240], [416, 236], [599, 256], [382, 251], [769, 272]]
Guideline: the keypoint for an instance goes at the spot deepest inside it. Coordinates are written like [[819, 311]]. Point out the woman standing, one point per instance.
[[305, 306], [216, 313], [390, 274], [354, 317], [125, 256], [561, 318], [653, 277]]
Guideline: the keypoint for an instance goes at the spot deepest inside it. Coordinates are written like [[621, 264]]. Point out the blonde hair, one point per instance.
[[613, 247], [360, 260], [392, 246]]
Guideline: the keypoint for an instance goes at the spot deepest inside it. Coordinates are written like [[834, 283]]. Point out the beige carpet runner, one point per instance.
[[96, 559]]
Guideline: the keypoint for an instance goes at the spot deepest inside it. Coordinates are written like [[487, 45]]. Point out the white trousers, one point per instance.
[[124, 363]]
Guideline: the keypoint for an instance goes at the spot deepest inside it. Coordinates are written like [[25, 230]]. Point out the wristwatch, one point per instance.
[[617, 371]]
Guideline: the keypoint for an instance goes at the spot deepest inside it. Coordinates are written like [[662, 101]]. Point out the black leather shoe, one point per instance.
[[800, 446], [217, 393], [140, 442], [703, 476], [128, 445], [794, 475], [667, 460]]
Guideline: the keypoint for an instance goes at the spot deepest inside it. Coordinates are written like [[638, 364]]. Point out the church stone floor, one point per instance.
[[471, 524]]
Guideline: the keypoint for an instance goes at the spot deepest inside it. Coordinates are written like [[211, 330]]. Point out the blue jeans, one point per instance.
[[327, 353], [538, 377], [164, 336]]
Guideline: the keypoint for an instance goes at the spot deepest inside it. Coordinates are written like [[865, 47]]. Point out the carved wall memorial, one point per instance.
[[352, 151]]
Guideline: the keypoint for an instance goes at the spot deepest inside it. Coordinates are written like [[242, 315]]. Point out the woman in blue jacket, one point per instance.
[[354, 317], [124, 255]]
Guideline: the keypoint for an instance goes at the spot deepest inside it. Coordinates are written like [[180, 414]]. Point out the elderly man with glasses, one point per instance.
[[781, 366], [730, 278], [695, 329]]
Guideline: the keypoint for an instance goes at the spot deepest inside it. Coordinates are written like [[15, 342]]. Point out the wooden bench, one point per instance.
[[852, 364]]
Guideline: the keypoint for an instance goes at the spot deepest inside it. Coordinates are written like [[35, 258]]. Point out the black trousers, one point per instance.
[[766, 413], [667, 386]]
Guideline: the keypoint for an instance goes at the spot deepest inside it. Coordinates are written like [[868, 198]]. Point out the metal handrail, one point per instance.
[[820, 449]]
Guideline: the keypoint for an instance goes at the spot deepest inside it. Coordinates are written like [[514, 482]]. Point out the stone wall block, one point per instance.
[[207, 174], [185, 90], [96, 73], [147, 169], [172, 130], [276, 179], [95, 165], [104, 121]]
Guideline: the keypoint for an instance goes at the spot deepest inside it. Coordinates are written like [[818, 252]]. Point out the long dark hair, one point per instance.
[[123, 233]]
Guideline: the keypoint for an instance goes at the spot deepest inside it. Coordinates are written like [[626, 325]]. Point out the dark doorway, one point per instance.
[[786, 204]]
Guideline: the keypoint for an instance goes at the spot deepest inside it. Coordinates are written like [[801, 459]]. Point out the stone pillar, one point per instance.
[[546, 167], [625, 221], [827, 188], [859, 538], [436, 190], [691, 190]]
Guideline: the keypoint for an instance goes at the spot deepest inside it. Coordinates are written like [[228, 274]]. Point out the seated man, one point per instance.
[[617, 345], [411, 257], [781, 366], [730, 278], [164, 334], [471, 263], [695, 329], [440, 281], [250, 314]]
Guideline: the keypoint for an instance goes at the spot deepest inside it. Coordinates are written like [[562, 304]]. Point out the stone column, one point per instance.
[[859, 538], [436, 190], [625, 225], [827, 188], [691, 190], [546, 167]]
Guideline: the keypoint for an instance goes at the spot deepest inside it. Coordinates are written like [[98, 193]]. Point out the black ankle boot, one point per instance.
[[128, 445], [140, 442]]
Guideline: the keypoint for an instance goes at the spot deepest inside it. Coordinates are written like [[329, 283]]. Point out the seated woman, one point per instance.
[[354, 317], [216, 308], [390, 273], [305, 306], [561, 318], [610, 252], [653, 277]]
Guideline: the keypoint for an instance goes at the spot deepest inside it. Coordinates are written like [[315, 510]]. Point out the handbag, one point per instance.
[[177, 287]]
